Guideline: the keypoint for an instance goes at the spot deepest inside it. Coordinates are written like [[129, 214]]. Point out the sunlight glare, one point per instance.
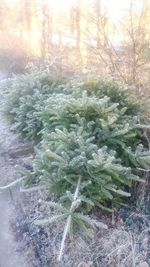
[[116, 9], [62, 5]]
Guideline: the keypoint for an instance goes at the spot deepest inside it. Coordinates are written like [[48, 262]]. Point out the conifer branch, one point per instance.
[[68, 223], [12, 184]]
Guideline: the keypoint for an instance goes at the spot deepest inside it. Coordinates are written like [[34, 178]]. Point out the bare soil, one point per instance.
[[9, 256]]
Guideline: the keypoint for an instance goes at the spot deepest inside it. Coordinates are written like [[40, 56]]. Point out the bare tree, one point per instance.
[[127, 60], [47, 28], [138, 41]]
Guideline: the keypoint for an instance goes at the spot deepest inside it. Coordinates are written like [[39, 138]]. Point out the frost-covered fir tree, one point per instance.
[[92, 150]]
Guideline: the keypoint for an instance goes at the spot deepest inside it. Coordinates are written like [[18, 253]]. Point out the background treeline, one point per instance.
[[88, 36]]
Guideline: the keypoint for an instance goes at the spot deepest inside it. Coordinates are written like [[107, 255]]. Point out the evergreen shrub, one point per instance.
[[92, 144], [93, 131], [26, 97], [124, 95], [94, 139]]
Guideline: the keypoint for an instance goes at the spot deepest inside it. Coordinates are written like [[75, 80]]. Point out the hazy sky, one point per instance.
[[115, 8]]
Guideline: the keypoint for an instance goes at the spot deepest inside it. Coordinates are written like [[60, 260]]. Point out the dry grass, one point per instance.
[[124, 245]]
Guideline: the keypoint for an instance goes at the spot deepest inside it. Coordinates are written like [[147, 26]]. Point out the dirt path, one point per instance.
[[9, 257]]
